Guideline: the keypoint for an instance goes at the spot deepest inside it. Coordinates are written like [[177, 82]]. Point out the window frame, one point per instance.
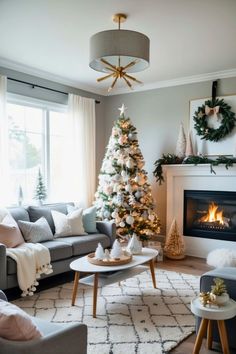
[[47, 107]]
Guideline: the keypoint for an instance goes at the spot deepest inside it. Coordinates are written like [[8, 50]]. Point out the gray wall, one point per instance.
[[157, 115], [27, 90]]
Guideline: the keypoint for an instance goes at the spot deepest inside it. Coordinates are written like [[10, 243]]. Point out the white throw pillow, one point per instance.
[[68, 225]]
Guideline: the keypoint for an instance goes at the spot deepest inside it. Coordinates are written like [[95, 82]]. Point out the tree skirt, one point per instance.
[[131, 318]]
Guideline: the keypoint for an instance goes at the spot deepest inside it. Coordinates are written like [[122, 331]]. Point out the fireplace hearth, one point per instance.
[[210, 214]]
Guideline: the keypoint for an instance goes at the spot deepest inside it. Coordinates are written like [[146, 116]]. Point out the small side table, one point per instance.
[[208, 315]]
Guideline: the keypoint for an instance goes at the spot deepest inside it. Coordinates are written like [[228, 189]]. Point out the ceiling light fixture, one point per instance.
[[118, 53]]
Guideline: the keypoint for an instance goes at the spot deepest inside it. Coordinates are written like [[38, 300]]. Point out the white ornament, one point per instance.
[[116, 251], [134, 245], [99, 253], [114, 214], [106, 214], [130, 163], [117, 178], [122, 224], [137, 194], [129, 219], [128, 188]]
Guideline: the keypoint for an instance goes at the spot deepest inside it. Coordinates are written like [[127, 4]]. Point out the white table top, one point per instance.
[[213, 312], [83, 265]]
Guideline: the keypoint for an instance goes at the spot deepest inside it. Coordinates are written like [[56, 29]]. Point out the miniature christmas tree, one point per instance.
[[174, 246], [189, 146], [181, 142], [40, 191], [124, 194]]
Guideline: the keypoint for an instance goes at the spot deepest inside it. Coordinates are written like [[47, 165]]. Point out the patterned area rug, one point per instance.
[[132, 318]]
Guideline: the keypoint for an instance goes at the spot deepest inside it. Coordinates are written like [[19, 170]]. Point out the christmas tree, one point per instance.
[[124, 194], [174, 246], [40, 191]]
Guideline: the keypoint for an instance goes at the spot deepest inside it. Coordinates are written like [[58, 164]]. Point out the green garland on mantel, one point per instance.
[[171, 159]]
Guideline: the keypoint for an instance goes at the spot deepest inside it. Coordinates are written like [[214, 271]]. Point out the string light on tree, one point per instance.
[[124, 194]]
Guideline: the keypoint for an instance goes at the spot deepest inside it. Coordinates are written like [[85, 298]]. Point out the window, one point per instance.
[[36, 136]]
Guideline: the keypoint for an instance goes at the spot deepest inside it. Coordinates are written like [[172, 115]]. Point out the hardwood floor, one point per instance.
[[195, 266]]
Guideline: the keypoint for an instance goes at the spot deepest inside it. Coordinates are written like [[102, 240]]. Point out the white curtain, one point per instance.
[[4, 157], [81, 124]]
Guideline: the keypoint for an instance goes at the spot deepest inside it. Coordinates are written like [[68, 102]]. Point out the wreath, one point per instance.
[[215, 107]]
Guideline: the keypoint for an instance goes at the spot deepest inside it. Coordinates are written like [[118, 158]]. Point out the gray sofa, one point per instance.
[[229, 276], [56, 339], [63, 250]]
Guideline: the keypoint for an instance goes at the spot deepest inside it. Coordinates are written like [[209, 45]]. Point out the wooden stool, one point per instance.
[[208, 315]]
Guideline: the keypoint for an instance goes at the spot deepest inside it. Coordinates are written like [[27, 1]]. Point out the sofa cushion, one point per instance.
[[10, 234], [58, 250], [16, 324], [36, 213], [68, 225], [89, 218], [19, 213], [85, 244], [37, 231]]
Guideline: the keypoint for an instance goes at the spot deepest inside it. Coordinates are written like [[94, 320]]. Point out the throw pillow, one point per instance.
[[10, 234], [68, 225], [36, 213], [89, 218], [37, 231], [15, 324]]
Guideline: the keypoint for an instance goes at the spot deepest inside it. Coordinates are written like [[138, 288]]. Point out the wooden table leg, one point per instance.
[[201, 332], [209, 335], [75, 287], [152, 270], [223, 337], [95, 291]]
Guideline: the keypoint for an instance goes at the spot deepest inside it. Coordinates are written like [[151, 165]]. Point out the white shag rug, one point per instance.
[[132, 318]]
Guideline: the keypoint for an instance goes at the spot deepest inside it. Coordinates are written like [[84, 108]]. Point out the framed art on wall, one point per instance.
[[226, 145]]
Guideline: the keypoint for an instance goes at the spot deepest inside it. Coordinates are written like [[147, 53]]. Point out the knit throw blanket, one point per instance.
[[32, 259]]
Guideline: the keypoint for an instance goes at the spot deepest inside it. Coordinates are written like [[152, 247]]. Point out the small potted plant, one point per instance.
[[218, 293]]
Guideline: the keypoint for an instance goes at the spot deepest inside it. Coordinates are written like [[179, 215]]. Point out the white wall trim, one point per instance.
[[223, 74]]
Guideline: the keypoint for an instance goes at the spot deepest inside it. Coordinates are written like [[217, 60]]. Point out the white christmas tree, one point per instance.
[[124, 194], [181, 142]]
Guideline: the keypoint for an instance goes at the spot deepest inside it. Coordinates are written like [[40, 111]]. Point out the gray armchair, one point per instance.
[[229, 276], [57, 339]]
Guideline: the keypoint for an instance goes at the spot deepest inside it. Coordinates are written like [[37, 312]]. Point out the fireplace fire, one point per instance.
[[210, 214]]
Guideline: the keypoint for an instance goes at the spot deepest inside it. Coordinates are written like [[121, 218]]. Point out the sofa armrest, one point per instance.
[[226, 273], [3, 267], [107, 228], [56, 343]]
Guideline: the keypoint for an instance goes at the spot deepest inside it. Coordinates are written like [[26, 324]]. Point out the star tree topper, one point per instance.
[[122, 109]]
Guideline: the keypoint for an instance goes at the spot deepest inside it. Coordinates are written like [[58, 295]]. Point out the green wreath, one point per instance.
[[216, 106]]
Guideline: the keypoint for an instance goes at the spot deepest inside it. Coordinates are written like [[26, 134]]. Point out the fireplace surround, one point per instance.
[[196, 177], [210, 214]]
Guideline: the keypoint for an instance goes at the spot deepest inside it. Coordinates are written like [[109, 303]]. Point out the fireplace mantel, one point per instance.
[[198, 177]]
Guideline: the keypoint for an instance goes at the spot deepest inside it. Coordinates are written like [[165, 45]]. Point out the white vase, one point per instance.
[[220, 300], [134, 245]]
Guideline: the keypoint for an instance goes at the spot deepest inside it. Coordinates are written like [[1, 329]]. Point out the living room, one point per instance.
[[47, 75]]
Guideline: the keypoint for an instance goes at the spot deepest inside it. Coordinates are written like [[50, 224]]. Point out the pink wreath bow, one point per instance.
[[212, 110]]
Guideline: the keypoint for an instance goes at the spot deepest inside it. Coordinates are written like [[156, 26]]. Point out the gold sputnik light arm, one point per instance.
[[107, 63], [118, 72], [105, 77]]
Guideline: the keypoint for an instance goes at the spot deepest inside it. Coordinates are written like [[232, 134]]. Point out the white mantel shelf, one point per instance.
[[197, 177]]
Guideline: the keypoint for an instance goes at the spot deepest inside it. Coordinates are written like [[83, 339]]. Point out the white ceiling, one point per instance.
[[190, 40]]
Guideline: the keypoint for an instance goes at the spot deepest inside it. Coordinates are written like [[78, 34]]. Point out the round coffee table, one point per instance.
[[114, 273]]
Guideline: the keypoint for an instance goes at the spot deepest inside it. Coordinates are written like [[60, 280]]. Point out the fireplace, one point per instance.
[[210, 214]]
